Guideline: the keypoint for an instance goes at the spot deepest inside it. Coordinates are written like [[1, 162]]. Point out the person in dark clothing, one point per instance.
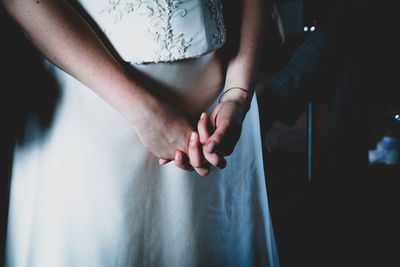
[[349, 60]]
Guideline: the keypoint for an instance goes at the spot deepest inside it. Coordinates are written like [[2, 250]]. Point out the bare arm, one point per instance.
[[242, 67], [228, 116], [66, 40]]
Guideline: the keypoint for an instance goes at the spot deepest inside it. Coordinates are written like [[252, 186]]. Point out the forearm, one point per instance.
[[241, 71], [66, 40]]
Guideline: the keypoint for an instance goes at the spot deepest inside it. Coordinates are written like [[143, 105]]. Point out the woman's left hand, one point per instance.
[[226, 122], [225, 126]]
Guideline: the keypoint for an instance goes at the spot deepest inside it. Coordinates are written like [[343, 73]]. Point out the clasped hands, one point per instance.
[[169, 134], [215, 138]]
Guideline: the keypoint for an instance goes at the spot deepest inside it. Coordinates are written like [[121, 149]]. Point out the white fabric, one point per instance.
[[87, 193], [159, 30]]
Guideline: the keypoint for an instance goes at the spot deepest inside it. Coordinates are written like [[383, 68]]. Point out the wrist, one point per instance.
[[137, 104], [236, 94]]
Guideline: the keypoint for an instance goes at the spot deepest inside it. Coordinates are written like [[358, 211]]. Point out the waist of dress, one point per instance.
[[192, 85]]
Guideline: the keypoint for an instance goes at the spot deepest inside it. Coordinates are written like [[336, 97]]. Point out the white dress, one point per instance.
[[85, 192]]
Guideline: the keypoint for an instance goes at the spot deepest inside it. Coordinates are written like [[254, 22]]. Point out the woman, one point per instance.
[[88, 192]]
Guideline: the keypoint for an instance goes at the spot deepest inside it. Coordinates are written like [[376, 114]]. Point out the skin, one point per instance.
[[65, 38], [219, 132]]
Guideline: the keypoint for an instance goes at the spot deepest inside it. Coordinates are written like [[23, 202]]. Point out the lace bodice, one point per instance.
[[159, 30]]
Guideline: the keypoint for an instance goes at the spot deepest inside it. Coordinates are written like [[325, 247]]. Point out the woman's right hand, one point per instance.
[[162, 128]]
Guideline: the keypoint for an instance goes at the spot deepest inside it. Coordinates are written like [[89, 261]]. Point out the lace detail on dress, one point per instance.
[[160, 30], [215, 9], [117, 9], [169, 45]]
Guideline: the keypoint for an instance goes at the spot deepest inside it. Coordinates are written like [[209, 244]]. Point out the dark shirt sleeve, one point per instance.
[[313, 71]]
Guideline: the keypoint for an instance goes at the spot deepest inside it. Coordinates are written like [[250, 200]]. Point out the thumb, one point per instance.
[[217, 139]]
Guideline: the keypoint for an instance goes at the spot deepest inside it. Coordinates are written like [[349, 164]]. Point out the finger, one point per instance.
[[215, 141], [181, 161], [215, 159], [202, 127], [204, 170], [212, 118], [163, 161], [195, 157]]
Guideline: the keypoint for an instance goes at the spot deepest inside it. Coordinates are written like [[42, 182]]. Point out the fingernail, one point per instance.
[[202, 115], [178, 156], [204, 172], [210, 147], [193, 136]]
